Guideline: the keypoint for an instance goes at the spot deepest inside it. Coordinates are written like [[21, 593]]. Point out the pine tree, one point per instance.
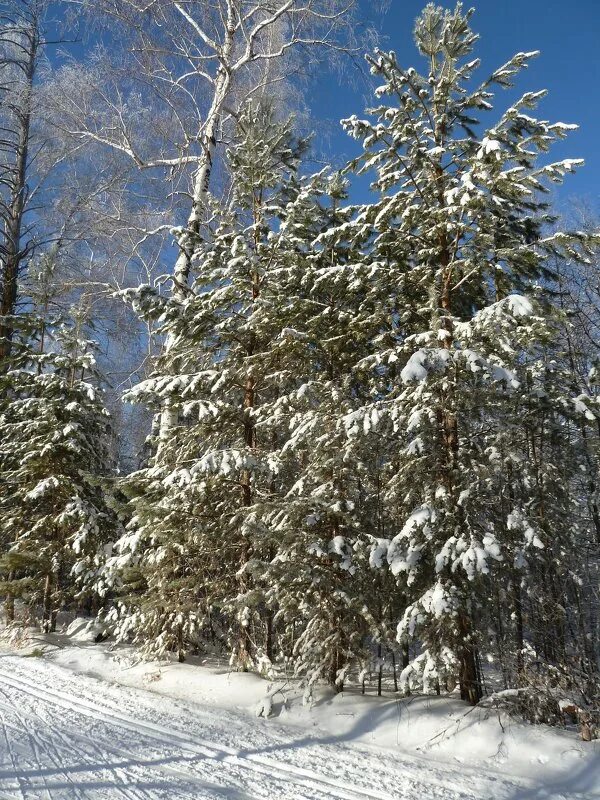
[[54, 451], [460, 234], [195, 534], [321, 586]]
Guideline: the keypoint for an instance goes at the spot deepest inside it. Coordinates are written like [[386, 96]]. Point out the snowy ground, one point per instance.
[[70, 730]]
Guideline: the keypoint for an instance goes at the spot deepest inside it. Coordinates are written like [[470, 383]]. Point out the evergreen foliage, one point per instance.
[[55, 448], [463, 228], [195, 534], [376, 426]]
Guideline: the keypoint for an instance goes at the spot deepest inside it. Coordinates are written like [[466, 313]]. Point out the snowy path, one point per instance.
[[71, 737]]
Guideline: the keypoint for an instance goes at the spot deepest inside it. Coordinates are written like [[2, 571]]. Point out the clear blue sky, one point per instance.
[[566, 31]]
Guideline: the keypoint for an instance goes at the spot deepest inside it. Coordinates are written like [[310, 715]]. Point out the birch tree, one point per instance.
[[195, 64], [44, 187], [202, 61]]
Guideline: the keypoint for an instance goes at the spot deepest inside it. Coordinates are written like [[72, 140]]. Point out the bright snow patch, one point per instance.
[[157, 731]]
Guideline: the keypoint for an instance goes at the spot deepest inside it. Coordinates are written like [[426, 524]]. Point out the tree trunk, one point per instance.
[[519, 632], [469, 682], [405, 653], [9, 603], [334, 668], [189, 241], [14, 212], [269, 636], [47, 605], [470, 686], [394, 670]]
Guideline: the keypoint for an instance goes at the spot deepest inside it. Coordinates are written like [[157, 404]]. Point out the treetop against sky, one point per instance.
[[566, 34]]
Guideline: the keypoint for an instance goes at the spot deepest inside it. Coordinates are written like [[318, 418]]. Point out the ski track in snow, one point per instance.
[[71, 737]]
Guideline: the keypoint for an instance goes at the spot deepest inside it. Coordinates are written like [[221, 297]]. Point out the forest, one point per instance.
[[246, 410]]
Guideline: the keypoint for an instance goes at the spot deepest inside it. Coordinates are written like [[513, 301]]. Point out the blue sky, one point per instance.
[[566, 31]]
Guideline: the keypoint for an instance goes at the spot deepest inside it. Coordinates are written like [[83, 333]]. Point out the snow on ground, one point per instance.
[[87, 722]]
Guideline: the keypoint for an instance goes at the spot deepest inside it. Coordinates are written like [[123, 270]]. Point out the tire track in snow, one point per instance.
[[50, 748], [287, 773], [10, 753], [37, 740], [396, 776], [101, 747]]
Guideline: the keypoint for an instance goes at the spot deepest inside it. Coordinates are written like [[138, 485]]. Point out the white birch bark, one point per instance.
[[231, 46]]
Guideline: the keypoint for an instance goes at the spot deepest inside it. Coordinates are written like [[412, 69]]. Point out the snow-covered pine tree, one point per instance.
[[55, 448], [196, 529], [328, 603], [461, 227]]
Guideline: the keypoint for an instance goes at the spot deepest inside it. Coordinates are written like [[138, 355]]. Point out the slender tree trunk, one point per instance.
[[189, 241], [13, 253], [470, 688], [405, 653], [249, 403], [394, 670], [47, 604], [181, 273], [592, 488], [519, 631], [334, 668], [9, 602], [180, 645], [269, 635], [470, 684]]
